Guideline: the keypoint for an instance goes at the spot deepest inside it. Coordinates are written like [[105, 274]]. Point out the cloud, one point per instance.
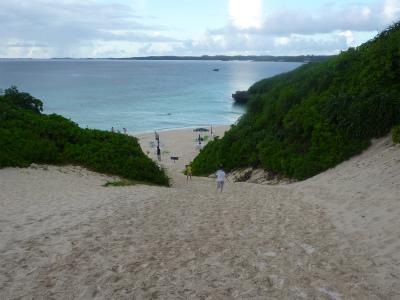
[[391, 10], [245, 13], [326, 19], [294, 44], [324, 30], [64, 25], [96, 28], [349, 36]]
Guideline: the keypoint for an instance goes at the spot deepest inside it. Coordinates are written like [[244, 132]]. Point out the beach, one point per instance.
[[63, 235]]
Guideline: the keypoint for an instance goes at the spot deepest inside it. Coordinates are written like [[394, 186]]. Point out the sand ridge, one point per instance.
[[64, 236]]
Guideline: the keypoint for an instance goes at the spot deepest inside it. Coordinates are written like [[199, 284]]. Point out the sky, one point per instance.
[[126, 28]]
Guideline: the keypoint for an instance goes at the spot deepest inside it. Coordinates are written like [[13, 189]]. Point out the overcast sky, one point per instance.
[[123, 28]]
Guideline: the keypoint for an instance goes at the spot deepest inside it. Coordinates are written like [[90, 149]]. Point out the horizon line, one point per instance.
[[188, 57]]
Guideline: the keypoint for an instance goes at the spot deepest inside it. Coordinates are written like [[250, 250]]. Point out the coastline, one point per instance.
[[197, 95], [181, 143], [207, 126]]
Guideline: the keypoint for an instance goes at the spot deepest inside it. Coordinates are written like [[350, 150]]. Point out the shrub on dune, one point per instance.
[[28, 136]]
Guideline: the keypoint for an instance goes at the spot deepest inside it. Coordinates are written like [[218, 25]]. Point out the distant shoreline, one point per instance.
[[254, 58]]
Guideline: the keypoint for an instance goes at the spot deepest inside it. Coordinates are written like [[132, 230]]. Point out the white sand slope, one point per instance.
[[362, 197], [64, 236]]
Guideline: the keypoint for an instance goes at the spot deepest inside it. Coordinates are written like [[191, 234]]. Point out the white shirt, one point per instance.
[[220, 175]]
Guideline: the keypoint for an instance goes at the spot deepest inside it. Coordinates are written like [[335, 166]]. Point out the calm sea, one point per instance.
[[138, 95]]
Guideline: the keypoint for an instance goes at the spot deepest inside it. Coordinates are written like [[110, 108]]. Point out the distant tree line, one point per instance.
[[299, 58]]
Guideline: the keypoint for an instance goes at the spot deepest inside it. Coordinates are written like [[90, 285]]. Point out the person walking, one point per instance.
[[220, 178], [188, 172], [157, 136], [158, 153]]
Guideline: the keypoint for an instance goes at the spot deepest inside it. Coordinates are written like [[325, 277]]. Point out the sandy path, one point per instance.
[[64, 236]]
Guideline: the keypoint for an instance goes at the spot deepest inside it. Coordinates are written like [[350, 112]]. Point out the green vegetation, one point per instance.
[[396, 134], [303, 122], [28, 136]]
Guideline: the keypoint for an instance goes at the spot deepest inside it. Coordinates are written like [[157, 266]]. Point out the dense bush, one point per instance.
[[27, 136], [396, 134], [303, 122]]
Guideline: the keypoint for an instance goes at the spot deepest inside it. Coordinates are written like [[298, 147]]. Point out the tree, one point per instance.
[[23, 100]]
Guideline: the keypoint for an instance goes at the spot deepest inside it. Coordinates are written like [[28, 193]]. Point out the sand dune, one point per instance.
[[362, 199], [335, 236]]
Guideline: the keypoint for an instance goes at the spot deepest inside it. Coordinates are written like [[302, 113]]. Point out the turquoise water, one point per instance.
[[138, 95]]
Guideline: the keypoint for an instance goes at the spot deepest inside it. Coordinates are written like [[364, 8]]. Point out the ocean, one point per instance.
[[141, 96]]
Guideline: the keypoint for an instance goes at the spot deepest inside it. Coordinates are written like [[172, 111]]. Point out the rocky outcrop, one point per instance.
[[241, 97]]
